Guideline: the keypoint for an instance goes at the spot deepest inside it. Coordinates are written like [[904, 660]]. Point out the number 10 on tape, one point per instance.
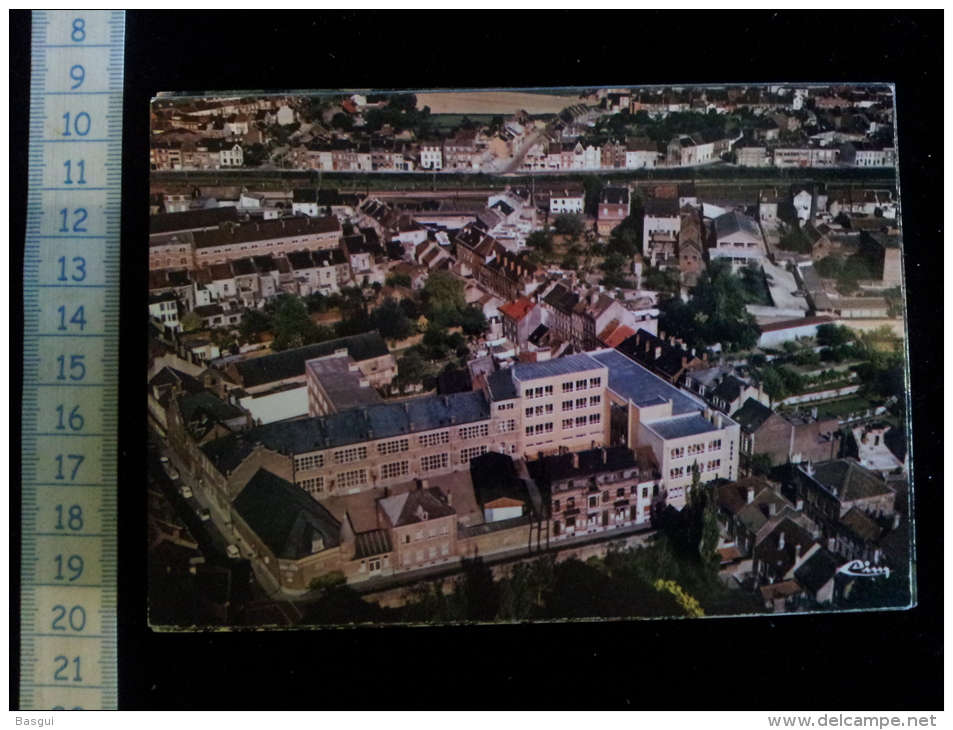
[[70, 340]]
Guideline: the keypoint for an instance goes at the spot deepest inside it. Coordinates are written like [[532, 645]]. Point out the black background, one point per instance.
[[879, 660]]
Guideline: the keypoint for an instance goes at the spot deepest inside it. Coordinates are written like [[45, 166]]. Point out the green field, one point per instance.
[[842, 408]]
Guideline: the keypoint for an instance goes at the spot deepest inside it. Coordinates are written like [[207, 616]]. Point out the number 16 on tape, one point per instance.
[[71, 319]]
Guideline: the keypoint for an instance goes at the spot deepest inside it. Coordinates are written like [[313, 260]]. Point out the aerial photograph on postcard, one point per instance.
[[526, 355]]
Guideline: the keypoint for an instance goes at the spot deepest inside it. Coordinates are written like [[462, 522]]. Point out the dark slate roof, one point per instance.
[[417, 505], [190, 220], [383, 420], [561, 298], [537, 334], [501, 385], [846, 479], [630, 380], [662, 207], [266, 230], [290, 363], [675, 428], [209, 403], [734, 222], [642, 347], [369, 544], [817, 570], [728, 389], [580, 363], [734, 495], [557, 468], [285, 517], [858, 522], [616, 196], [752, 415], [494, 476], [304, 195], [782, 559], [454, 381]]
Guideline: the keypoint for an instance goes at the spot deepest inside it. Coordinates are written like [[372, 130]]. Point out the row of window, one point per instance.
[[359, 453], [539, 410], [472, 432], [594, 400], [421, 555], [592, 419], [538, 392], [681, 471], [569, 386], [679, 452], [431, 533]]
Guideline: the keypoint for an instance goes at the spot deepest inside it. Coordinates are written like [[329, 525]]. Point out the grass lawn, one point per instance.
[[842, 408]]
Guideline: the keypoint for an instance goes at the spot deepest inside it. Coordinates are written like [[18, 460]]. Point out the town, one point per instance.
[[583, 393]]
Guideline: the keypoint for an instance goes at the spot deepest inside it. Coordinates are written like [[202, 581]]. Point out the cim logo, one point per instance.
[[863, 569]]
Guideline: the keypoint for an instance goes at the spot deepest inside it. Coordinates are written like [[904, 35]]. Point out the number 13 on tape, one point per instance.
[[70, 341]]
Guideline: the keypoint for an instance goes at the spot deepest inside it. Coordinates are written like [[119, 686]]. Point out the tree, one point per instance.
[[342, 121], [443, 290], [568, 224], [593, 185], [399, 280], [254, 155], [541, 241], [832, 335], [254, 321], [291, 325], [793, 239], [474, 321], [390, 320], [191, 321], [412, 368]]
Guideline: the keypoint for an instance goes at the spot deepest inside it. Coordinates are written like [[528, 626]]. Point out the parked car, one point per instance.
[[169, 469], [186, 492], [204, 514], [232, 551]]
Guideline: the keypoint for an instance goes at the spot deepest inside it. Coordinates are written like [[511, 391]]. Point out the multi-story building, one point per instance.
[[598, 490], [273, 237], [431, 156], [424, 527], [566, 203], [662, 215], [614, 207], [736, 238]]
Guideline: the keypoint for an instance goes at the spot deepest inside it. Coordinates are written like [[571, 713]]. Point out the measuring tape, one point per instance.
[[70, 377]]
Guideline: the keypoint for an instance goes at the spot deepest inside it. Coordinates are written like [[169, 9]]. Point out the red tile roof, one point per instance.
[[518, 308], [615, 334]]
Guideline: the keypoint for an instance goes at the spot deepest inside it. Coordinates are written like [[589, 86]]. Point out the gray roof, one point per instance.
[[285, 517], [846, 479], [582, 362], [676, 428], [752, 415], [209, 403], [190, 220], [418, 505], [501, 385], [384, 420], [369, 544], [630, 380], [290, 363], [342, 386], [734, 222], [817, 570]]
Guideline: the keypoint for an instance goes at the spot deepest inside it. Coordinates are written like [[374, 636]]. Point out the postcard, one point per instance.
[[526, 355]]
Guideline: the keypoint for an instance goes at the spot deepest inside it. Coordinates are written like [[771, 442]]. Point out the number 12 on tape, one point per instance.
[[71, 320]]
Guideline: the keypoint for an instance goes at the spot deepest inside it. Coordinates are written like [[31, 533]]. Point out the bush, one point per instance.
[[328, 580]]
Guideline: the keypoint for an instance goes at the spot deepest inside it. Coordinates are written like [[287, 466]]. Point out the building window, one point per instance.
[[313, 461], [471, 453], [434, 439], [314, 485], [714, 445], [507, 426], [529, 412], [580, 421], [567, 405], [393, 447], [595, 400], [352, 478], [445, 529], [620, 493], [580, 402], [567, 423], [548, 390], [472, 432], [715, 464], [678, 453], [504, 407], [348, 456], [567, 387], [595, 382], [396, 469], [695, 449], [677, 472], [556, 505], [434, 462], [581, 385]]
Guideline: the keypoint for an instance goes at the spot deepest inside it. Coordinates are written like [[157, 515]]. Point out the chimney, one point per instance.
[[603, 455], [831, 544], [750, 495], [809, 469], [658, 352], [800, 505], [896, 521], [780, 540], [773, 509], [575, 461], [449, 499]]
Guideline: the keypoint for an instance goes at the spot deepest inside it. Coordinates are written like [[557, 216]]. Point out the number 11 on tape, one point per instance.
[[70, 341]]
